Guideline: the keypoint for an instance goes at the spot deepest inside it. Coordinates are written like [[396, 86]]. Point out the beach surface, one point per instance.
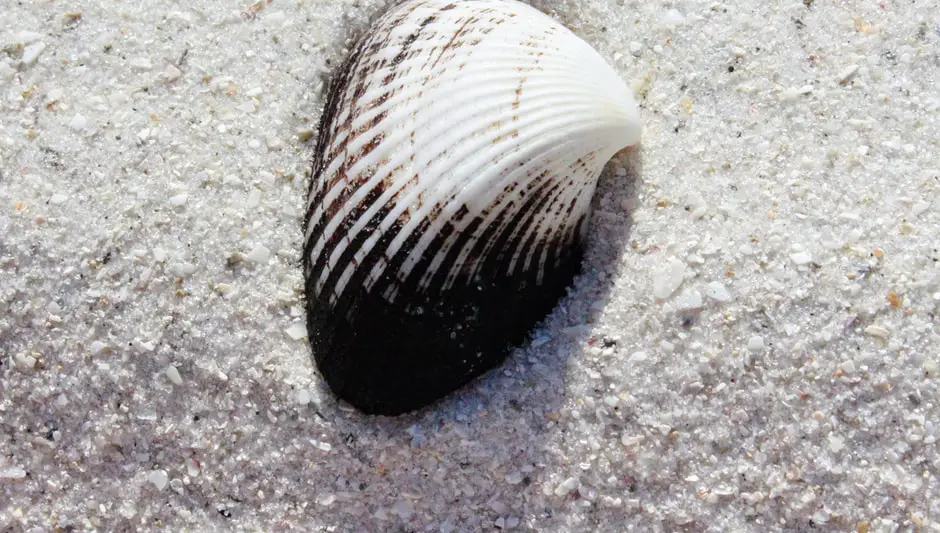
[[754, 344]]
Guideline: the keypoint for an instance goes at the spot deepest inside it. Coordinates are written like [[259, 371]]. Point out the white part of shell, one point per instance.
[[457, 115]]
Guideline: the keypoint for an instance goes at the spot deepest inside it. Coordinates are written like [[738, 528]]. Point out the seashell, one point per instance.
[[458, 152]]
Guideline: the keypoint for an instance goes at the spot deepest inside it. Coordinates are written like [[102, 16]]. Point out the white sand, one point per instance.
[[787, 214]]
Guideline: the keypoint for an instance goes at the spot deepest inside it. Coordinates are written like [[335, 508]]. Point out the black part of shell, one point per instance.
[[384, 359]]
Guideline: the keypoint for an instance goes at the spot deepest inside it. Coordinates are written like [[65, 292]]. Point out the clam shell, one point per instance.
[[458, 152]]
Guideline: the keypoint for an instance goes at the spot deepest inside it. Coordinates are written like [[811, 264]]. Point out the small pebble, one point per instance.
[[145, 346], [224, 289], [174, 375], [54, 95], [931, 368], [755, 343], [259, 254], [32, 52], [158, 478], [689, 300], [801, 258], [23, 361], [296, 331], [499, 507], [789, 95], [303, 397], [97, 347], [273, 143], [847, 74], [631, 441], [141, 63], [78, 122], [12, 472], [128, 510], [673, 18], [919, 208], [836, 443], [716, 291], [178, 201], [668, 278], [567, 486], [254, 199], [305, 134], [171, 73], [878, 331], [181, 270]]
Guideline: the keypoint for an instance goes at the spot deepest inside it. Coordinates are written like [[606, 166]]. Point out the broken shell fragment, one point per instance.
[[457, 155]]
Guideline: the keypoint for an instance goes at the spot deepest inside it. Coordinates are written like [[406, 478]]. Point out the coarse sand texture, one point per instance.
[[753, 344]]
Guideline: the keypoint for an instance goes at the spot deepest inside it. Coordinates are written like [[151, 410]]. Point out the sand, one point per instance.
[[753, 345]]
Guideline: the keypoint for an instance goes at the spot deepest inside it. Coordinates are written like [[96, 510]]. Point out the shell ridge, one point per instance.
[[374, 214], [328, 118], [445, 260], [525, 236], [365, 212], [334, 226], [551, 219], [514, 177], [507, 236], [343, 192], [557, 190]]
